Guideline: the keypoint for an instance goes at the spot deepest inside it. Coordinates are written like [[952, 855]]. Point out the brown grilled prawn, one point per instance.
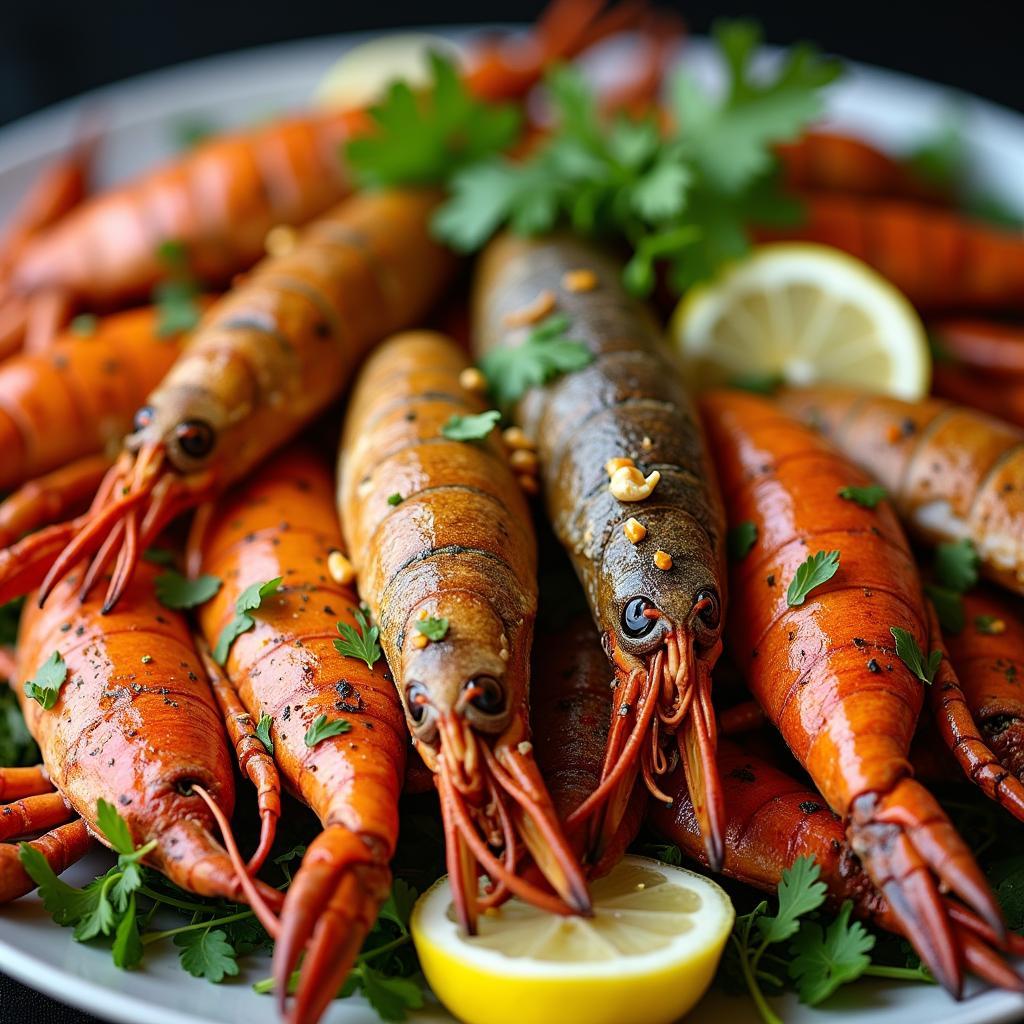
[[134, 724], [772, 819], [268, 357], [282, 522], [824, 668], [441, 539], [952, 472], [65, 408], [220, 199], [570, 712], [650, 560]]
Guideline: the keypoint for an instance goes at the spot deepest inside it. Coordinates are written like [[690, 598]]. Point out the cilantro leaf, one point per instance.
[[207, 954], [44, 687], [911, 655], [826, 960], [800, 891], [114, 827], [322, 729], [866, 497], [178, 592], [128, 949], [419, 137], [731, 141], [263, 733], [949, 606], [470, 428], [84, 325], [740, 539], [398, 906], [359, 641], [547, 352], [64, 903], [248, 601], [391, 997], [956, 565], [819, 568], [433, 629]]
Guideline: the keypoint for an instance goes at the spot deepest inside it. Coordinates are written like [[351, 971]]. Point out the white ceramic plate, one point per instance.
[[140, 116]]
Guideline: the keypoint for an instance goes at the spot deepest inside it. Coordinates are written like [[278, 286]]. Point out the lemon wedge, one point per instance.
[[797, 313], [646, 956], [361, 76]]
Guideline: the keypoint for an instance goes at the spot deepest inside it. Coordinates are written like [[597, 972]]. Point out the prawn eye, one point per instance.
[[634, 622], [488, 697], [143, 417], [416, 698], [195, 438], [711, 613]]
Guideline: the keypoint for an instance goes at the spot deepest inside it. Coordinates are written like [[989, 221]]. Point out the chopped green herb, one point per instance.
[[248, 601], [176, 591], [44, 687], [758, 383], [826, 959], [395, 499], [84, 325], [949, 606], [866, 497], [991, 625], [547, 352], [819, 568], [433, 629], [263, 733], [421, 136], [176, 296], [956, 565], [741, 538], [912, 656], [322, 729], [158, 556], [471, 428], [359, 641], [207, 954]]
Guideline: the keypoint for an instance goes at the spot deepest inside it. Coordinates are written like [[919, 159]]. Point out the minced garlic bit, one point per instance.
[[471, 379], [629, 484], [280, 240], [612, 466], [515, 438], [528, 483], [663, 560], [634, 530], [646, 444], [523, 460], [541, 307], [341, 569], [581, 280], [420, 641]]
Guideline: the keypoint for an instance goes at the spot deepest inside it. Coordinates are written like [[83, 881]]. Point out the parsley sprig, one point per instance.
[[360, 641], [547, 352], [178, 592], [913, 657], [819, 568], [685, 198], [470, 428], [248, 601], [44, 686]]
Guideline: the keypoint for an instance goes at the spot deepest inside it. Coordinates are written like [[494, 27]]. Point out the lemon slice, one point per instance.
[[646, 956], [801, 314], [361, 76]]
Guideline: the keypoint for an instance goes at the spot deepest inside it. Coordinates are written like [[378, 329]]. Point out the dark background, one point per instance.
[[52, 49]]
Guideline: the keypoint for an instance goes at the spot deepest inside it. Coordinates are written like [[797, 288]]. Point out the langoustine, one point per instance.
[[822, 664], [281, 523], [268, 357], [441, 539], [649, 553], [952, 472], [135, 724]]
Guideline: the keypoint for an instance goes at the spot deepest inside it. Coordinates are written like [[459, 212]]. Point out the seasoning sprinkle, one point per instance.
[[541, 307], [471, 379], [341, 569], [581, 280], [634, 530], [663, 560]]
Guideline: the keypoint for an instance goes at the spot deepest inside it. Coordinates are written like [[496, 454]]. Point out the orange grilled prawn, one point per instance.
[[824, 668], [282, 523]]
